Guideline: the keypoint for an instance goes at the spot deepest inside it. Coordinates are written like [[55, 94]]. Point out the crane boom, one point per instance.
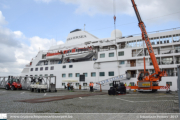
[[146, 39], [145, 80]]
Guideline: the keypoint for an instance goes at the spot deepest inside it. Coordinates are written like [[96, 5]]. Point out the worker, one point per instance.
[[125, 84], [68, 85], [91, 86], [129, 87]]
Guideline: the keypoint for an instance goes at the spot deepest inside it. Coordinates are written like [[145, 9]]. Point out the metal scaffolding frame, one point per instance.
[[26, 81]]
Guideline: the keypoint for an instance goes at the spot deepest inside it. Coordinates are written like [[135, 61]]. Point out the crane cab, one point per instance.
[[143, 76]]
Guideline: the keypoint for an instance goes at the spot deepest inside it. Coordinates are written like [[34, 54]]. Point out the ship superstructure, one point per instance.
[[101, 59]]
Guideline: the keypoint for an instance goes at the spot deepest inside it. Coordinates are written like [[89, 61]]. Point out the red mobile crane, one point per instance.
[[145, 80]]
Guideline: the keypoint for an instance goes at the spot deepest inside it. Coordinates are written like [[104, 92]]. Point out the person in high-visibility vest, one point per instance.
[[91, 86], [125, 84], [68, 85]]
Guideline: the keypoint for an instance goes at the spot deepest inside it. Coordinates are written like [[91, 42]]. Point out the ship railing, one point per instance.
[[131, 65], [162, 51], [163, 62]]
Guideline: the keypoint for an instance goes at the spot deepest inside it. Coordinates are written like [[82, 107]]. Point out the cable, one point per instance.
[[114, 6], [154, 31], [136, 22]]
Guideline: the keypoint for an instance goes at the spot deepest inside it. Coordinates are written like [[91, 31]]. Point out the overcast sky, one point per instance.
[[29, 25]]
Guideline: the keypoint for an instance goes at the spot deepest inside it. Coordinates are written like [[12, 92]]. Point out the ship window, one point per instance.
[[46, 75], [63, 84], [101, 74], [44, 56], [77, 74], [132, 83], [64, 66], [51, 75], [77, 84], [76, 50], [93, 74], [52, 67], [70, 75], [41, 68], [111, 54], [111, 73], [121, 53], [46, 63], [102, 55], [36, 69], [110, 84], [84, 84], [63, 75], [121, 62], [70, 66], [31, 69], [46, 68], [35, 76], [169, 83], [40, 75], [85, 74]]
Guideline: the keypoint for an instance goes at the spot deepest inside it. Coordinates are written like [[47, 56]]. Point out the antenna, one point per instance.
[[84, 26], [114, 10]]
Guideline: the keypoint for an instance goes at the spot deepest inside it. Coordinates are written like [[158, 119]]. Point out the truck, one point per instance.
[[38, 86]]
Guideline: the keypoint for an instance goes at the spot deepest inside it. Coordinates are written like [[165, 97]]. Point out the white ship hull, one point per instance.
[[108, 64]]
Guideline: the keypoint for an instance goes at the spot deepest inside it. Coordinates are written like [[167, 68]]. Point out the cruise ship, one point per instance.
[[101, 59]]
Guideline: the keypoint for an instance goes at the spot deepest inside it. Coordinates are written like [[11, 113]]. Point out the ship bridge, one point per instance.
[[79, 36]]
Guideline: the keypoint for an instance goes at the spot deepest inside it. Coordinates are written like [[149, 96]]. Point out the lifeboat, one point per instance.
[[79, 53], [54, 56]]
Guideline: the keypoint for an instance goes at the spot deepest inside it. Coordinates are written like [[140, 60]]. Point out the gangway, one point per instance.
[[106, 81]]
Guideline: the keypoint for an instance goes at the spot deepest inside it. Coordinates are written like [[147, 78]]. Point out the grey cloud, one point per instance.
[[148, 8], [8, 38], [7, 54]]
